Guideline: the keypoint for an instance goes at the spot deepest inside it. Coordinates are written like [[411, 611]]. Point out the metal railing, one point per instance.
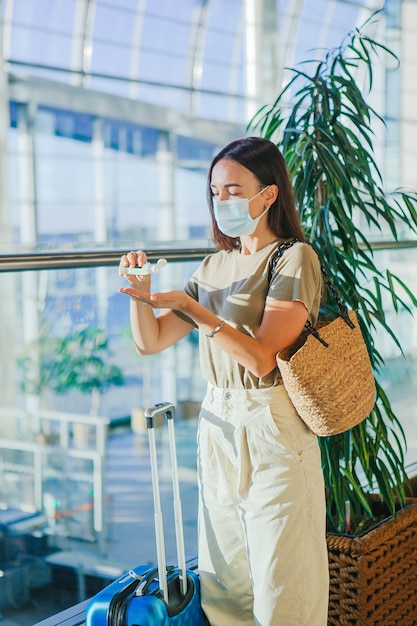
[[93, 451], [33, 259], [38, 260]]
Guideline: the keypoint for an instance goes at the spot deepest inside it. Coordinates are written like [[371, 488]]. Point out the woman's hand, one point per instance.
[[135, 259], [174, 300], [153, 332]]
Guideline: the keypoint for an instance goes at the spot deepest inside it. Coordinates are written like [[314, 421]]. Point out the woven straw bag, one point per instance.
[[327, 372]]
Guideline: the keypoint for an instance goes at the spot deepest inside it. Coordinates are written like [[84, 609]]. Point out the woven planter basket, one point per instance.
[[373, 578]]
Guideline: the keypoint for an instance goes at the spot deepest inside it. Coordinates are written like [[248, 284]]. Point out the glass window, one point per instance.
[[65, 188], [42, 32]]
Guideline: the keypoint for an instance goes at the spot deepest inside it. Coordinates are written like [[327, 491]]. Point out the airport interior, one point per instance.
[[111, 112]]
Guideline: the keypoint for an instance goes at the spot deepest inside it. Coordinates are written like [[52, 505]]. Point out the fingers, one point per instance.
[[136, 295], [132, 259]]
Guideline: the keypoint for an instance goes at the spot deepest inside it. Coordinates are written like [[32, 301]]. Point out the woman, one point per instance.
[[262, 548]]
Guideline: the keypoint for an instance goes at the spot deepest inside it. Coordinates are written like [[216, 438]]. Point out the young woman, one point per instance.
[[262, 547]]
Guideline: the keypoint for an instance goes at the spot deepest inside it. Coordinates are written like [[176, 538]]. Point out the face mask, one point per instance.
[[233, 217]]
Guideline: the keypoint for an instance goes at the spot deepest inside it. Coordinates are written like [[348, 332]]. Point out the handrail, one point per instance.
[[42, 260], [27, 261]]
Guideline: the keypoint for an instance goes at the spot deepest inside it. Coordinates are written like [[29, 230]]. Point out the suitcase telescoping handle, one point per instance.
[[151, 413]]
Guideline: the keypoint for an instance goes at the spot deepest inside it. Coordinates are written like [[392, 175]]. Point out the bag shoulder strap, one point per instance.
[[278, 254], [342, 309]]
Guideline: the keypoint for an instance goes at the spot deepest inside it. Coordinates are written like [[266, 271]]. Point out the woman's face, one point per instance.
[[230, 179]]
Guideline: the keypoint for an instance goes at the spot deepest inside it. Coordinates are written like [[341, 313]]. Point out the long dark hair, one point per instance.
[[265, 161]]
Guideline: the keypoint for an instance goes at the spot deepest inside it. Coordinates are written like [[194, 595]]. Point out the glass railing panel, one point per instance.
[[66, 328]]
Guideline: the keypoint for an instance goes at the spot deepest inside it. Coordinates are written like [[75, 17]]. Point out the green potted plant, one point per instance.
[[79, 360], [322, 123]]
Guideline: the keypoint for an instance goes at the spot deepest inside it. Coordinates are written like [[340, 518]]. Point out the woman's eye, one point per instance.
[[228, 194]]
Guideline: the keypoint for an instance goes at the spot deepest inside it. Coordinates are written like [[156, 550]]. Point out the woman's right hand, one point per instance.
[[135, 259]]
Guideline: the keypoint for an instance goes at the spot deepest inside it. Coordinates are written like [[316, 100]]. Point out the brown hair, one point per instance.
[[265, 161]]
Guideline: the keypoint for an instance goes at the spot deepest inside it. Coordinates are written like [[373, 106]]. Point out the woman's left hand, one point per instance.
[[174, 300]]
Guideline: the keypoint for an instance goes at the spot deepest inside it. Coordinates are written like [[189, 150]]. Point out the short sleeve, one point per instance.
[[297, 277], [191, 289]]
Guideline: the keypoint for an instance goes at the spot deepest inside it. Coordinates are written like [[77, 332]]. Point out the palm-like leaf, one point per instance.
[[327, 141]]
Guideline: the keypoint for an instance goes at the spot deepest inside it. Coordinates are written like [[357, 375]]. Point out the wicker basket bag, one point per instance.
[[327, 372], [331, 386]]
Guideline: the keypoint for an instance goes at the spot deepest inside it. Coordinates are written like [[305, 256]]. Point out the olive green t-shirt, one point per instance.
[[234, 287]]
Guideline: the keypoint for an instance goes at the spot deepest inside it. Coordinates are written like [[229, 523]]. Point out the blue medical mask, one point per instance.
[[233, 217]]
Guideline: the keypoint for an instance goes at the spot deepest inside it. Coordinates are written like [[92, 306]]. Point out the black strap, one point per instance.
[[342, 309]]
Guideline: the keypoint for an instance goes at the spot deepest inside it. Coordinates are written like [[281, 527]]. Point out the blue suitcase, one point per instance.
[[160, 595]]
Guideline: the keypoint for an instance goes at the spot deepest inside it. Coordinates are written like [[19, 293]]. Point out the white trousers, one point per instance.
[[262, 517]]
